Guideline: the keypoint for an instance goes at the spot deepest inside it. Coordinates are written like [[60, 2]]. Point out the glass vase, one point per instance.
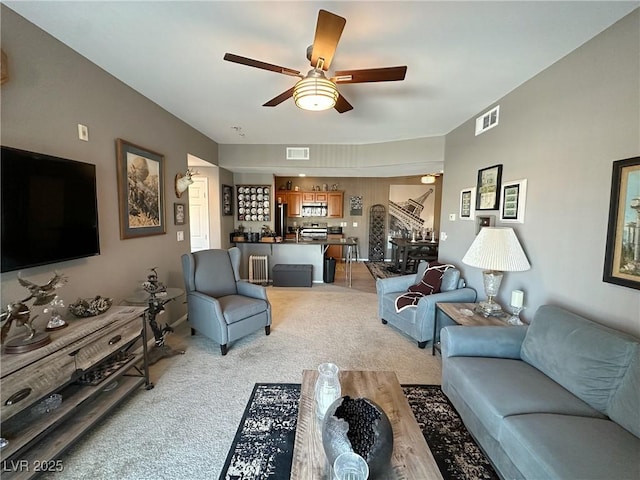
[[327, 388]]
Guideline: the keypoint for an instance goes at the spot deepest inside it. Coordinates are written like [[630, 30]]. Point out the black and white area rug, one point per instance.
[[263, 446], [382, 269]]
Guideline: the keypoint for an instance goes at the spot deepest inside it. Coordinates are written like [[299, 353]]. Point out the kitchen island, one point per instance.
[[305, 252]]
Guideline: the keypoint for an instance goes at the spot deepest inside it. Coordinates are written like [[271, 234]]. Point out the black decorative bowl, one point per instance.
[[361, 426]]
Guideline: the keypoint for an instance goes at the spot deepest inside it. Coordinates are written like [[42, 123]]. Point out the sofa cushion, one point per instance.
[[624, 407], [495, 388], [586, 358], [553, 446], [238, 307]]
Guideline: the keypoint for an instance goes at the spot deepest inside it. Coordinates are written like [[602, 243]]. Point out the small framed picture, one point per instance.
[[512, 201], [488, 188], [179, 213], [468, 203], [227, 200]]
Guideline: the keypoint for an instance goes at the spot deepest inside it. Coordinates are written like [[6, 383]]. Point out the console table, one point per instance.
[[91, 364]]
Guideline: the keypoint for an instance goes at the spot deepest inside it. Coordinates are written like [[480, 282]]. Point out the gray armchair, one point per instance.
[[417, 322], [220, 305]]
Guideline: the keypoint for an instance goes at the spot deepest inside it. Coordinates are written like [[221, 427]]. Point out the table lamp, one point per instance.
[[496, 250]]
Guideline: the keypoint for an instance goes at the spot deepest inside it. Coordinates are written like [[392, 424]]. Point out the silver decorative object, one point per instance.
[[358, 425], [56, 322], [514, 319], [90, 307], [20, 313]]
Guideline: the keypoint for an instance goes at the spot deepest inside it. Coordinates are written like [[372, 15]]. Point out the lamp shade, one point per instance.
[[497, 248]]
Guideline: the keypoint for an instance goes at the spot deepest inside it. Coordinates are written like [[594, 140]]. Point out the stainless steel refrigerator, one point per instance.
[[280, 217]]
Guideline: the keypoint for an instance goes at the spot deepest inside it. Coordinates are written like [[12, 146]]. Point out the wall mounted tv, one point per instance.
[[49, 209]]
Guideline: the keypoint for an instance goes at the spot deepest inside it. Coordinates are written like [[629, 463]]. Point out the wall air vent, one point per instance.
[[488, 120], [297, 153]]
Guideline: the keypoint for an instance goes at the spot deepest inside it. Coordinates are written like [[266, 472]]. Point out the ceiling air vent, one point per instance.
[[488, 120], [297, 153]]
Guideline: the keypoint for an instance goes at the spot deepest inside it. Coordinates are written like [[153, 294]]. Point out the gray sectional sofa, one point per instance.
[[559, 399]]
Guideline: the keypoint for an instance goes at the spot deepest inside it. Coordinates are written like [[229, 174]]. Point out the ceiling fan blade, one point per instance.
[[387, 74], [230, 57], [280, 98], [328, 31], [342, 105]]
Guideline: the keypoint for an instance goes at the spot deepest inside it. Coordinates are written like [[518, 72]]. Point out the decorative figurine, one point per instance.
[[152, 285], [20, 313], [155, 288], [43, 294], [56, 322]]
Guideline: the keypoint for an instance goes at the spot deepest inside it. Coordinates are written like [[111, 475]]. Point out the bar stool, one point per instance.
[[354, 248]]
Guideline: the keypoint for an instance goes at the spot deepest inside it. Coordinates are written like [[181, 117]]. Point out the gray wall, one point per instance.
[[51, 89], [417, 157], [561, 131]]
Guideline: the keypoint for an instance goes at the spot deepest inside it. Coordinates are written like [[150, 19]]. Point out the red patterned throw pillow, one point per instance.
[[429, 284]]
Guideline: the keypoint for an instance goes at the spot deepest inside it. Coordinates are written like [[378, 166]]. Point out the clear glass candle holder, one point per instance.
[[514, 319], [350, 466], [327, 388]]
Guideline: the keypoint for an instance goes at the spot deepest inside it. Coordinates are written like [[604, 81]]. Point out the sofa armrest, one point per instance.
[[251, 290], [491, 341], [395, 284]]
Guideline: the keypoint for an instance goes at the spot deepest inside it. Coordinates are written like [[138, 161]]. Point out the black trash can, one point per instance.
[[329, 272]]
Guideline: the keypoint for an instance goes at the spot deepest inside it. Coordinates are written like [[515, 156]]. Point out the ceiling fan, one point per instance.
[[315, 91]]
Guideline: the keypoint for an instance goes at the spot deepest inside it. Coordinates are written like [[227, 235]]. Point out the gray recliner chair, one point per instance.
[[220, 305], [417, 322]]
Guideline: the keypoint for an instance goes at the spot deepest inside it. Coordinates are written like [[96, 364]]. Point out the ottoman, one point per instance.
[[292, 275]]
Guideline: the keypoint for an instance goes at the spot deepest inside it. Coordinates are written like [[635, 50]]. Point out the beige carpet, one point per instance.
[[183, 428]]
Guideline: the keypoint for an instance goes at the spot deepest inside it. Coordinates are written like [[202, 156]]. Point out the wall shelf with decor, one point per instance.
[[254, 203]]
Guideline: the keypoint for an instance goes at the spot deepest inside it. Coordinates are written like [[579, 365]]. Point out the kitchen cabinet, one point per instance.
[[314, 197], [335, 204], [294, 204]]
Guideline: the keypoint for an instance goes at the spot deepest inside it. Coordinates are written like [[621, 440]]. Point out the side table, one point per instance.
[[155, 303], [463, 314]]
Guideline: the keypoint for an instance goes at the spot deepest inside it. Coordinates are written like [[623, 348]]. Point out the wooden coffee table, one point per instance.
[[411, 458]]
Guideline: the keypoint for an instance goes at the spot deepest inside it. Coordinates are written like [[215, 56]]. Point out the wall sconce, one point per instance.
[[183, 181]]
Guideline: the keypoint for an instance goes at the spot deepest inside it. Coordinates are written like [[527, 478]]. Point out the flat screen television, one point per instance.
[[49, 209]]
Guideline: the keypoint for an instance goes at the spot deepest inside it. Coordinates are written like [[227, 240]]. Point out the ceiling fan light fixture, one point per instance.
[[315, 92]]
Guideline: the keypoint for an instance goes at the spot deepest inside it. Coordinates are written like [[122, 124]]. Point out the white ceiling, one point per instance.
[[461, 57]]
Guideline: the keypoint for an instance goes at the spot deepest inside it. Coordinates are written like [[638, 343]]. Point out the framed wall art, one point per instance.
[[179, 214], [621, 261], [227, 200], [512, 201], [140, 190], [488, 188], [468, 203]]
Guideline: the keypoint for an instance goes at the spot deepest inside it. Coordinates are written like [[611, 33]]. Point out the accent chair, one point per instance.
[[221, 306], [417, 322]]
